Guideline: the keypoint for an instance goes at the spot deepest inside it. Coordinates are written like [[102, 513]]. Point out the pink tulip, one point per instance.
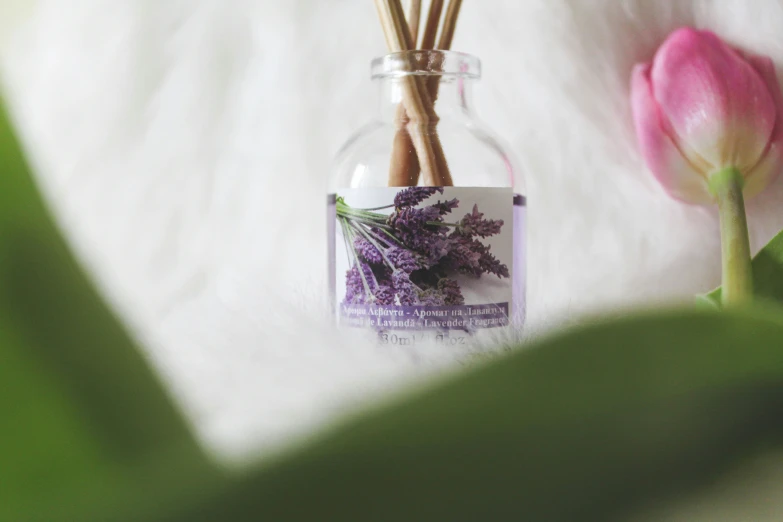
[[709, 120], [701, 107]]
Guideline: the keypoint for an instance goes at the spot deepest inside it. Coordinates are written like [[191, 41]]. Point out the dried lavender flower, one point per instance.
[[405, 289], [367, 250], [464, 255], [414, 219], [491, 265], [473, 224], [354, 287], [384, 295], [431, 297], [452, 294], [412, 196], [445, 207], [403, 259]]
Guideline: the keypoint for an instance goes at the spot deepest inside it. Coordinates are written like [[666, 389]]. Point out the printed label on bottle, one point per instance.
[[423, 258]]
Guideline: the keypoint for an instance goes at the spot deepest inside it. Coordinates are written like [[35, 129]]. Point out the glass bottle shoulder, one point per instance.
[[476, 156]]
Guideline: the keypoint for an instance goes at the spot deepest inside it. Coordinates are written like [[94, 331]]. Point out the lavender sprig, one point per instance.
[[409, 257], [410, 197]]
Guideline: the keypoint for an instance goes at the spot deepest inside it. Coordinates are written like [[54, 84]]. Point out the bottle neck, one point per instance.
[[453, 97]]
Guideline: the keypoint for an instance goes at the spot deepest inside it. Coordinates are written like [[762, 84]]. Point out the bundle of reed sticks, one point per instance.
[[416, 149]]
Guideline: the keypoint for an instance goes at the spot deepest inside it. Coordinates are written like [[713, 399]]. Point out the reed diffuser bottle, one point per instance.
[[426, 211]]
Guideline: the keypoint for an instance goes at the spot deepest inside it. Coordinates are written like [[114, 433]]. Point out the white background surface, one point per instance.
[[170, 137]]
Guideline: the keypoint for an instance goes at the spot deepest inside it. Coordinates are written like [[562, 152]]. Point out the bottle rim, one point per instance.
[[426, 63]]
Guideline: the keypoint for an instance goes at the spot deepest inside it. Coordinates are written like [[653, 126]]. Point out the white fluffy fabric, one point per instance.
[[184, 146]]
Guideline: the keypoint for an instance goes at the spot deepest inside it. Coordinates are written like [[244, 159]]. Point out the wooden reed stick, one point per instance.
[[404, 169], [414, 14], [449, 24], [433, 21], [404, 165], [446, 37], [416, 99], [397, 35]]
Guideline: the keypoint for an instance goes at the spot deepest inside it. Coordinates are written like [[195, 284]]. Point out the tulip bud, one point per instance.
[[702, 107], [709, 120]]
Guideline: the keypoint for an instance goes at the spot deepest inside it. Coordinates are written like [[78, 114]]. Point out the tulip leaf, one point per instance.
[[709, 301], [80, 406], [767, 275]]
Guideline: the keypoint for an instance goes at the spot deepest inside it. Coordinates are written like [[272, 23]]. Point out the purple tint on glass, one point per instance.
[[331, 222], [519, 275]]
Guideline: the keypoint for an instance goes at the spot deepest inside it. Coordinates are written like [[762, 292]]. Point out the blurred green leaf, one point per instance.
[[767, 275], [81, 410], [584, 426]]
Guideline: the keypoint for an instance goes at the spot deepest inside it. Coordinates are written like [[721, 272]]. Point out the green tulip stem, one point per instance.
[[726, 186]]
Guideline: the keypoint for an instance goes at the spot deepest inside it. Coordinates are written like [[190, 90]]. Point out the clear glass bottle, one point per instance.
[[446, 285]]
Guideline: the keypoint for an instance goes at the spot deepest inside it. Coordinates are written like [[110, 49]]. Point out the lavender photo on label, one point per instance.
[[410, 256]]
